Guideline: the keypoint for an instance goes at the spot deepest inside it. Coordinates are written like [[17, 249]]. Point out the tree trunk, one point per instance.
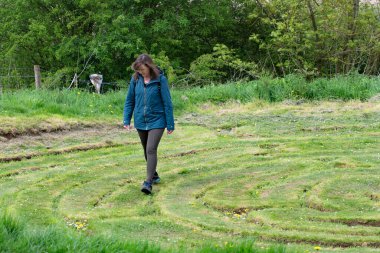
[[348, 58], [319, 56], [313, 21]]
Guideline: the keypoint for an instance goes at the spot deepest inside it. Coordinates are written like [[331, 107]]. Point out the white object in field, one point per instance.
[[96, 80]]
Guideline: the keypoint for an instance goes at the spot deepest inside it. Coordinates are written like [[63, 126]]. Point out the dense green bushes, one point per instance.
[[195, 42]]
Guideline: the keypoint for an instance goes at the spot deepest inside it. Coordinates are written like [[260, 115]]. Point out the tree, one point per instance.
[[318, 37]]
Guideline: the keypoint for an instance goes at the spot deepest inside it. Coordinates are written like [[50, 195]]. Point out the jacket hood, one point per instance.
[[161, 71]]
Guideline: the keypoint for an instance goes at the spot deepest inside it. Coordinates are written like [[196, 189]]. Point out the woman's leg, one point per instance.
[[144, 140], [154, 137]]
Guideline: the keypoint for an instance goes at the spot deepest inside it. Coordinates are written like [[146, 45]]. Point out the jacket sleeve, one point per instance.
[[129, 103], [167, 100]]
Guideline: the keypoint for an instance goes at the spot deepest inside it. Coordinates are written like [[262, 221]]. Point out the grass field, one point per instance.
[[290, 176]]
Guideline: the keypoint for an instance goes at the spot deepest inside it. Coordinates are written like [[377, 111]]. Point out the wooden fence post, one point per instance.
[[37, 76]]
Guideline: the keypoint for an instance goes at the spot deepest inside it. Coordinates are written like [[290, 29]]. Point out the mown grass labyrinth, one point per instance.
[[306, 174]]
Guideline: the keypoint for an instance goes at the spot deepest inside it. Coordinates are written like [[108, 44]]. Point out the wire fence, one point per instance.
[[105, 86], [15, 78]]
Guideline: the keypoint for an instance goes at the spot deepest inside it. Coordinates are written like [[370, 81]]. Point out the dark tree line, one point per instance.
[[193, 40]]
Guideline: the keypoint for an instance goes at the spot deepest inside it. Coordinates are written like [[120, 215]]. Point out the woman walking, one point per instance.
[[149, 99]]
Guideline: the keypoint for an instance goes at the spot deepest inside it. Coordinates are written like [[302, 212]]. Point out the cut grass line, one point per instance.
[[109, 193], [191, 152], [18, 172], [66, 150], [15, 127], [207, 225], [356, 222]]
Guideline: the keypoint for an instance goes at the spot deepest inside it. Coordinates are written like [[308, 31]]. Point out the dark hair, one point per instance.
[[146, 60]]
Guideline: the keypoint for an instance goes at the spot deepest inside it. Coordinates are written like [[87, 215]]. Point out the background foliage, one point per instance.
[[193, 41]]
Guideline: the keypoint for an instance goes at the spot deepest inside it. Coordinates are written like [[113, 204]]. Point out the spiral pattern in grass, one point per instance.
[[278, 175]]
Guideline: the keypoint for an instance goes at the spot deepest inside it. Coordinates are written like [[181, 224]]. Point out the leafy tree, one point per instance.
[[318, 37], [311, 37]]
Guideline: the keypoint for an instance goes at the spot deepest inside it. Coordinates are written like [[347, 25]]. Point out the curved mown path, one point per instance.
[[284, 174]]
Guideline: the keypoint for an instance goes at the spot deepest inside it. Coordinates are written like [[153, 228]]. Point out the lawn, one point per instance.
[[290, 176]]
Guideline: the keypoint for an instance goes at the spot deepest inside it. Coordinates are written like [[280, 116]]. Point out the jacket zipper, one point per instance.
[[146, 125]]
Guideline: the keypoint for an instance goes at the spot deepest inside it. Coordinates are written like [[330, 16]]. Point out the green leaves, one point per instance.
[[321, 38], [223, 64], [280, 36]]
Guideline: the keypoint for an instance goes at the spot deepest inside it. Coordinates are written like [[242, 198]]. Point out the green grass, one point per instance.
[[30, 111], [67, 103], [236, 177], [77, 103], [341, 87], [16, 237]]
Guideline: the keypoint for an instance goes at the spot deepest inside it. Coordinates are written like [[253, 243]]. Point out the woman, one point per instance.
[[149, 99]]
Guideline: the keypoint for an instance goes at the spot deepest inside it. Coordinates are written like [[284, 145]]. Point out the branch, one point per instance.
[[313, 21], [85, 66]]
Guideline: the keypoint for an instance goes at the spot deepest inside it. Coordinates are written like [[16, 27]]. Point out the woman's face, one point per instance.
[[143, 70]]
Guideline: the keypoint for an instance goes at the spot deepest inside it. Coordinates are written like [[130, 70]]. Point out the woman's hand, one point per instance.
[[128, 127], [170, 131]]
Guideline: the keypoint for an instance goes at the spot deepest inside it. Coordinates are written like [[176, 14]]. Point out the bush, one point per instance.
[[220, 66]]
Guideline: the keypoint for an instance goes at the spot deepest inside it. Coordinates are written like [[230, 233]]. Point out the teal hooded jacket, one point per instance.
[[151, 104]]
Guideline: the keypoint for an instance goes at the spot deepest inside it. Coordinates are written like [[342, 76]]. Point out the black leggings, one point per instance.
[[150, 140]]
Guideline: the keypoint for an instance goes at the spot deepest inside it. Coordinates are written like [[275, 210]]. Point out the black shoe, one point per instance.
[[146, 187], [156, 179]]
